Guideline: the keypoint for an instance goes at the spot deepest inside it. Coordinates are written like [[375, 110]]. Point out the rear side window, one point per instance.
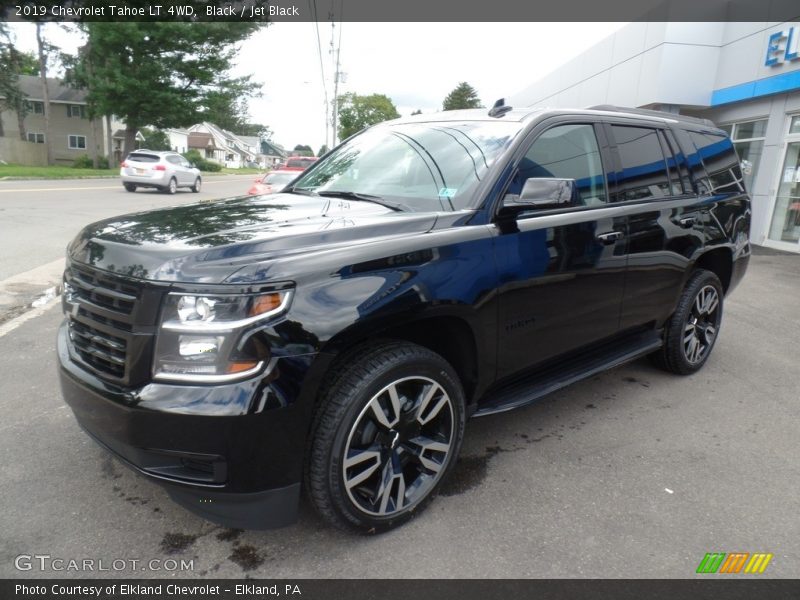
[[720, 161], [144, 158], [644, 167], [175, 160]]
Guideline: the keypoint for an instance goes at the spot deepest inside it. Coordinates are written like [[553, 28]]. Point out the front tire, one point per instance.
[[197, 185], [692, 331], [386, 434]]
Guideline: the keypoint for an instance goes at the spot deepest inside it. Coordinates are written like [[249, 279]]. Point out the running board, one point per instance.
[[544, 382]]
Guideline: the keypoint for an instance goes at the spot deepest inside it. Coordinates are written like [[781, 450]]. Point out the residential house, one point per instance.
[[268, 154], [70, 127], [178, 140], [273, 153], [118, 139], [221, 146]]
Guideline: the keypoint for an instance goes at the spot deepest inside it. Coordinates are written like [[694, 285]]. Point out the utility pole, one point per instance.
[[46, 92], [337, 76]]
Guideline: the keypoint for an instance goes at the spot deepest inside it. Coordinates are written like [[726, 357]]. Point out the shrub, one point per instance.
[[193, 156], [83, 162], [210, 166]]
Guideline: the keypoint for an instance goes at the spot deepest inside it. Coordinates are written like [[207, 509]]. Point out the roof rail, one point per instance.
[[654, 113], [499, 108]]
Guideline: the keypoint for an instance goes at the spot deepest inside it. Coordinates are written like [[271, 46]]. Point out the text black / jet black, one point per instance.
[[337, 335]]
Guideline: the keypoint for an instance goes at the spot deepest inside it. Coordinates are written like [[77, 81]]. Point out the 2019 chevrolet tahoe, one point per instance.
[[336, 336]]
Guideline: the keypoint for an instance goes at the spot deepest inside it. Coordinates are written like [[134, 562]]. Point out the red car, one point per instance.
[[272, 183], [298, 163]]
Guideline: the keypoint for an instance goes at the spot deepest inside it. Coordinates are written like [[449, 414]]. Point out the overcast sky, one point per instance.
[[415, 64]]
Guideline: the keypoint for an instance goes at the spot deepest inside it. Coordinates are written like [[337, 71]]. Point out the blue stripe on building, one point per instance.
[[776, 84]]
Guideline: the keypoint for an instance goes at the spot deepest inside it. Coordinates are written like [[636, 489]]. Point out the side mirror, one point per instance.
[[543, 192]]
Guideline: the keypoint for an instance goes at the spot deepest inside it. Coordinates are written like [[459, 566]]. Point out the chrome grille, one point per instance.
[[103, 290], [111, 323], [103, 351]]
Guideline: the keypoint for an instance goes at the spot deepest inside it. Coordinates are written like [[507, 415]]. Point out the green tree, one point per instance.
[[14, 63], [357, 112], [256, 130], [463, 96], [417, 112], [160, 74], [155, 139], [323, 150], [303, 150], [228, 108]]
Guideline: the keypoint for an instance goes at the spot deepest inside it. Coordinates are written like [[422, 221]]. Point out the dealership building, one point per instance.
[[743, 76]]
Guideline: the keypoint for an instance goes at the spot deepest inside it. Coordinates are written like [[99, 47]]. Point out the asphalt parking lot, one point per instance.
[[634, 473]]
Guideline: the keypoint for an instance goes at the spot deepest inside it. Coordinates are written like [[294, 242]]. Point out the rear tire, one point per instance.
[[197, 185], [172, 186], [692, 330], [386, 434], [129, 187]]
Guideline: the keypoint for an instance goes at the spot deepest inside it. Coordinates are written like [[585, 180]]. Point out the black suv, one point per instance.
[[336, 336]]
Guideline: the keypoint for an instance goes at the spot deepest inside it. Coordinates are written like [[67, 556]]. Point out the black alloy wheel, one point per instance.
[[386, 434], [693, 329]]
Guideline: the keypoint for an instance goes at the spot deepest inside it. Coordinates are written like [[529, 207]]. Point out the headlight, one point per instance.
[[207, 338]]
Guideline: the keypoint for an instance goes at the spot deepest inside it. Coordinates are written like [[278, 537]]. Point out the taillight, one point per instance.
[[123, 164], [159, 168]]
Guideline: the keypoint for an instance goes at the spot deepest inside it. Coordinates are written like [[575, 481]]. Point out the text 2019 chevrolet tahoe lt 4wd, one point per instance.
[[336, 336]]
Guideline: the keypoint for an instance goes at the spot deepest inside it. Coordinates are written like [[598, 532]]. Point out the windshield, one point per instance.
[[419, 166]]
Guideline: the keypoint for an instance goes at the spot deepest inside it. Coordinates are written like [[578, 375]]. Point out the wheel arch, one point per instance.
[[719, 261], [453, 337]]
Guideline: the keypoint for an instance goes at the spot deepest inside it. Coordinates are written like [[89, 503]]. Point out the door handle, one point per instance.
[[687, 222], [610, 237]]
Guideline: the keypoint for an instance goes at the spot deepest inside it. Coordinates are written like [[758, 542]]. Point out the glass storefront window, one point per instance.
[[785, 225], [748, 139], [750, 130], [795, 125]]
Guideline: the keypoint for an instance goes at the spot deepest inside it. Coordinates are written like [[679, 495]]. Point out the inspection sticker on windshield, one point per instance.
[[447, 192]]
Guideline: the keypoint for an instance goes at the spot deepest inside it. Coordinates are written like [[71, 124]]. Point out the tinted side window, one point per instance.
[[173, 159], [676, 187], [720, 161], [644, 167], [566, 152], [677, 155]]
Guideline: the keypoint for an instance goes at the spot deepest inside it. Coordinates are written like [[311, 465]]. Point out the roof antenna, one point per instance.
[[499, 108]]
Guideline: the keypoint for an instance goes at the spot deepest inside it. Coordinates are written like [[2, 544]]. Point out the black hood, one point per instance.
[[208, 241]]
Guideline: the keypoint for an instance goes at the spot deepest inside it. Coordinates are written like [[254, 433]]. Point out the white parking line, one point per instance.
[[42, 277], [11, 325]]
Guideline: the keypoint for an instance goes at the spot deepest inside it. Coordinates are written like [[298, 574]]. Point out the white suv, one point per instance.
[[166, 171]]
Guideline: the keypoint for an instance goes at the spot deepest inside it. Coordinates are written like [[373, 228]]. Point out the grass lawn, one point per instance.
[[57, 172], [247, 171]]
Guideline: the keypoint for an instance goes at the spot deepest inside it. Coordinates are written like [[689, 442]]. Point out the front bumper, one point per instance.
[[230, 453]]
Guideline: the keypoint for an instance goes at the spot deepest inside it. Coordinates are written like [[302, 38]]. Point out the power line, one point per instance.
[[313, 12]]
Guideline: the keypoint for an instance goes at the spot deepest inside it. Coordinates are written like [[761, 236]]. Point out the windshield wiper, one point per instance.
[[359, 196]]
